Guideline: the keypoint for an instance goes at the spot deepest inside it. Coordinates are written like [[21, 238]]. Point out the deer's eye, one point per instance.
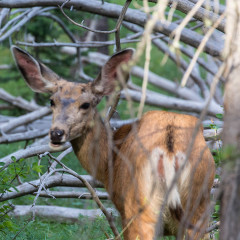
[[52, 103], [85, 105]]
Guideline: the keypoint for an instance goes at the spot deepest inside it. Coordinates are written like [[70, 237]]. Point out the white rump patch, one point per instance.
[[185, 172], [168, 175]]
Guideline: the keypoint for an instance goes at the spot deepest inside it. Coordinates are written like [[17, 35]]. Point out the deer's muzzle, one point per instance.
[[56, 136]]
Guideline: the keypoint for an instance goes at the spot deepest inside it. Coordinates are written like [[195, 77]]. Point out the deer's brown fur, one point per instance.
[[144, 157]]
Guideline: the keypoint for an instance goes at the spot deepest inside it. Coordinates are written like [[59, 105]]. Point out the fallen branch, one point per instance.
[[71, 194], [5, 67], [94, 195], [163, 83], [24, 119], [29, 152], [212, 134], [55, 180], [213, 227], [17, 101], [114, 10], [28, 135], [56, 213], [160, 100]]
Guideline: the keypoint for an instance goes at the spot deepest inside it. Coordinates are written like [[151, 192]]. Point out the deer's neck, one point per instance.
[[92, 150]]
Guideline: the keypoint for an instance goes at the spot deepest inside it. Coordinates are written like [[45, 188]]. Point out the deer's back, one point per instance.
[[138, 166]]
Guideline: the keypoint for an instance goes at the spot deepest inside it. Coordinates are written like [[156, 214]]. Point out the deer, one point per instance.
[[146, 156]]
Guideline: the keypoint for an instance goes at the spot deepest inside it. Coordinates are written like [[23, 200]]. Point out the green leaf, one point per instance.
[[13, 158], [37, 168], [219, 116], [217, 208]]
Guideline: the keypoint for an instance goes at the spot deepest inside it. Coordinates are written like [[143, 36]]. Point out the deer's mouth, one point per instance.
[[56, 146]]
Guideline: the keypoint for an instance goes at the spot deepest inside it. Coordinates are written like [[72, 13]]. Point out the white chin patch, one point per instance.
[[57, 147]]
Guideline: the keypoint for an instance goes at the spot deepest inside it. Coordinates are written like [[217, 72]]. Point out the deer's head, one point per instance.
[[73, 104]]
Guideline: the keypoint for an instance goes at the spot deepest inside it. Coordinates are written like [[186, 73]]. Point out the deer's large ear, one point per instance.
[[38, 76], [106, 82]]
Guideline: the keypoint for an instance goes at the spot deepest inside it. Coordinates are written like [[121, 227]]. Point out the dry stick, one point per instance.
[[135, 16], [159, 100], [146, 42], [6, 106], [26, 153], [13, 20], [177, 59], [95, 197], [119, 23], [57, 213], [17, 101], [25, 19], [32, 134], [90, 44], [118, 48], [34, 11], [81, 25], [3, 15], [215, 6], [145, 75], [115, 30], [213, 227], [200, 49], [79, 195], [55, 180], [29, 117], [160, 82], [179, 29], [61, 24], [186, 6], [164, 49]]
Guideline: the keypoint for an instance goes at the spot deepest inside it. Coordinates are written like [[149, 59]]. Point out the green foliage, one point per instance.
[[219, 116], [7, 178], [86, 229]]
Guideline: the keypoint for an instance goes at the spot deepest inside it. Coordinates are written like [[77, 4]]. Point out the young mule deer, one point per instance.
[[146, 156]]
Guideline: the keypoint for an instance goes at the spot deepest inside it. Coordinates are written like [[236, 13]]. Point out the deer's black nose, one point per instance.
[[56, 135]]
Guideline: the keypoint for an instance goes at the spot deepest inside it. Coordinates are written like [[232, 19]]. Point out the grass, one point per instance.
[[86, 229]]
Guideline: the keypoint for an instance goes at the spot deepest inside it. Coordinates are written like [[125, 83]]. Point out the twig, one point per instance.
[[32, 134], [25, 19], [119, 23], [135, 16], [71, 194], [16, 19], [81, 25], [61, 24], [179, 29], [29, 117], [213, 227], [53, 181], [95, 197], [17, 101], [200, 49], [29, 152]]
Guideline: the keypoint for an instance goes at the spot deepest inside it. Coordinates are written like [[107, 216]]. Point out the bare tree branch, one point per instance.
[[159, 100], [29, 117], [72, 194], [53, 181], [32, 134], [29, 152], [17, 101], [56, 213], [113, 10]]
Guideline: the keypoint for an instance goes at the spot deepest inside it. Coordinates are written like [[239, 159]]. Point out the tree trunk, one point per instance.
[[230, 204]]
